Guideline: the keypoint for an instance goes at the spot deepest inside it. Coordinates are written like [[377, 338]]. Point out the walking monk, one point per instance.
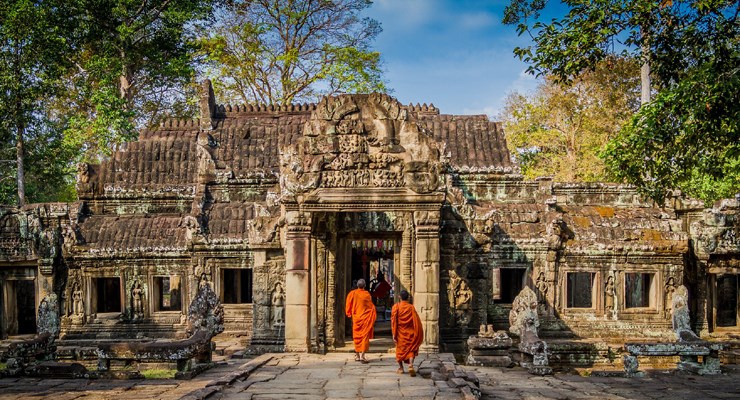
[[361, 309], [407, 332]]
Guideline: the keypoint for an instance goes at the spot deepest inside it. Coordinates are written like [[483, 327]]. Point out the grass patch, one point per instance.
[[158, 373], [3, 366]]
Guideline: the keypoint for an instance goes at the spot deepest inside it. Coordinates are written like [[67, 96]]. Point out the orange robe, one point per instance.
[[407, 330], [362, 310]]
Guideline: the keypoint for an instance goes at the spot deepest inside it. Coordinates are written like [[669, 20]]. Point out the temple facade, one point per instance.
[[281, 209]]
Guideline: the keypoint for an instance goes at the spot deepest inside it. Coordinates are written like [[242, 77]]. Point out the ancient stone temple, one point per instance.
[[281, 208]]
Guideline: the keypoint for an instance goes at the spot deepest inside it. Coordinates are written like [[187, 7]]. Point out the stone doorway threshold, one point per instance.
[[382, 343]]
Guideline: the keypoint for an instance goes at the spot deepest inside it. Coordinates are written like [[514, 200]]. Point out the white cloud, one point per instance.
[[407, 14], [476, 20]]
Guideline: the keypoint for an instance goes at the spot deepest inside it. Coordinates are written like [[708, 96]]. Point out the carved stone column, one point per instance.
[[297, 281], [426, 276]]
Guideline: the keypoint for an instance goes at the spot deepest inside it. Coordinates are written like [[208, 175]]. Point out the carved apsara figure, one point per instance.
[[609, 293], [278, 305], [670, 288], [460, 297], [77, 304], [136, 295], [542, 287]]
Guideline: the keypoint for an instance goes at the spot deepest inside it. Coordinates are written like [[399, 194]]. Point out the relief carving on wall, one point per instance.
[[137, 299], [75, 298], [670, 289], [361, 141], [278, 306], [610, 295], [460, 297]]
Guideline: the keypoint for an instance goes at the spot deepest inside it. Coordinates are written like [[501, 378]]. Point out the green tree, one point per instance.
[[687, 136], [33, 43], [559, 130], [134, 60], [285, 51]]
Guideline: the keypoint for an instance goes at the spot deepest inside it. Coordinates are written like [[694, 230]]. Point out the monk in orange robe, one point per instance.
[[361, 309], [407, 332]]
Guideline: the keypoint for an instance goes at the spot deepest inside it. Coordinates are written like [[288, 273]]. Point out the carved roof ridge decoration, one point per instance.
[[231, 110], [173, 123], [423, 109]]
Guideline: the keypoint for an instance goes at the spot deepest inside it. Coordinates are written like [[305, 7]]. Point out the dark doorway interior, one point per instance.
[[25, 292], [512, 282], [727, 293], [109, 295], [373, 260], [237, 286]]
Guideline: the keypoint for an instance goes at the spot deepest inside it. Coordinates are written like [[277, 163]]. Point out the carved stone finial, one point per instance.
[[681, 317], [205, 311], [523, 317], [524, 322], [48, 318], [207, 105]]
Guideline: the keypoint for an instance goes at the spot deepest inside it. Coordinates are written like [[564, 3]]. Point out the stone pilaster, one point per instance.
[[297, 282], [426, 276]]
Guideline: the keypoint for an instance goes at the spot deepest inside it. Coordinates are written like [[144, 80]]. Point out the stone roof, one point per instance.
[[133, 233], [621, 227], [161, 160], [470, 140], [230, 220], [248, 143], [246, 140]]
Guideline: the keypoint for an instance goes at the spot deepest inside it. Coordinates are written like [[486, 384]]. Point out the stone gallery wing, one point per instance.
[[281, 209]]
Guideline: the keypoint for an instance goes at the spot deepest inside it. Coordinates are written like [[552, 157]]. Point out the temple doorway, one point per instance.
[[726, 300], [374, 259], [20, 306]]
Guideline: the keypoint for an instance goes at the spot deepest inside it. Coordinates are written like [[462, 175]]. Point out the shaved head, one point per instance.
[[361, 283]]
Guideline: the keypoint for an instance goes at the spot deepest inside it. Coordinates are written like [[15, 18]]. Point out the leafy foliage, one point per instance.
[[133, 58], [559, 130], [32, 49], [282, 52], [687, 137]]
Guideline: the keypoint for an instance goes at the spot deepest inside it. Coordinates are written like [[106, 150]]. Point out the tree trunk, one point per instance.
[[21, 174], [645, 69], [645, 83], [125, 89]]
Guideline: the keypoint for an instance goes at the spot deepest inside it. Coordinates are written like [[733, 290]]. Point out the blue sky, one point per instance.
[[456, 54]]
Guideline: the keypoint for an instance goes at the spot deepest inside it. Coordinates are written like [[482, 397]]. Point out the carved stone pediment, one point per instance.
[[361, 141]]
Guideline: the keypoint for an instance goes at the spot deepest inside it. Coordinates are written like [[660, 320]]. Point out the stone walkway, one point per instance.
[[516, 383], [337, 376], [72, 389]]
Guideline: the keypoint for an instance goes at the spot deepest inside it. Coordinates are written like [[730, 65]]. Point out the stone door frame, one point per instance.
[[423, 211]]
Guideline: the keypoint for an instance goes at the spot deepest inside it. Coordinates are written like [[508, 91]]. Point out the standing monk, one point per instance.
[[407, 332], [361, 309]]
